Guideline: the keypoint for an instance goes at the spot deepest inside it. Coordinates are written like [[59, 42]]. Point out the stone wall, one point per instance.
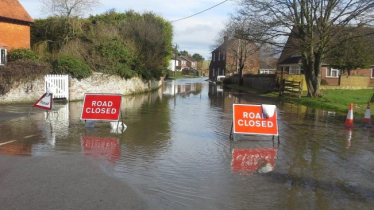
[[98, 83], [24, 92], [103, 83]]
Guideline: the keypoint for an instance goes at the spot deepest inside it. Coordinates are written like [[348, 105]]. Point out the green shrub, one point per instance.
[[71, 65], [22, 54], [21, 71]]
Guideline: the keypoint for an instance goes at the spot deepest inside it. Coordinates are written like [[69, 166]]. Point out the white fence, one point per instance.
[[58, 85]]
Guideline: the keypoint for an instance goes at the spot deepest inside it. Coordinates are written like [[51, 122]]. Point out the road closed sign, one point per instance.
[[101, 107], [255, 119]]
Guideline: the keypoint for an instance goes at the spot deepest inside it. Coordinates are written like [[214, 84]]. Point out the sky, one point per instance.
[[196, 34]]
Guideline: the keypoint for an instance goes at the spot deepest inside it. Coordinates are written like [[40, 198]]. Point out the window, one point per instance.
[[372, 73], [296, 70], [3, 56], [213, 56], [267, 71], [213, 71], [219, 56], [331, 72]]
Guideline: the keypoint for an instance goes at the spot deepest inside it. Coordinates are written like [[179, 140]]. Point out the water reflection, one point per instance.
[[173, 88], [106, 148], [177, 154], [247, 161]]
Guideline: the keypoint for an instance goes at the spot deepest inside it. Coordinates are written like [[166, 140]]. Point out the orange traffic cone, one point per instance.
[[349, 120], [367, 119]]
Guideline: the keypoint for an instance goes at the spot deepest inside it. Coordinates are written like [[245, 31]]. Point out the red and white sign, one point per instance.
[[101, 147], [45, 102], [250, 160], [255, 119], [101, 107]]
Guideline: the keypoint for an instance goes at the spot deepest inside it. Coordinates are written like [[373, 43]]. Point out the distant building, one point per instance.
[[188, 63], [290, 65], [175, 63], [225, 62]]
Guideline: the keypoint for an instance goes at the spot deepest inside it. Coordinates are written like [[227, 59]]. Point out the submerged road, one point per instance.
[[61, 182]]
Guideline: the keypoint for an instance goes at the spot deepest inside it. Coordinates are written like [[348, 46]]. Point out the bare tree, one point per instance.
[[69, 8], [241, 51], [310, 25]]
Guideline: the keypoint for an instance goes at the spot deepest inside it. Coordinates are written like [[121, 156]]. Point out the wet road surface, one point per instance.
[[176, 154]]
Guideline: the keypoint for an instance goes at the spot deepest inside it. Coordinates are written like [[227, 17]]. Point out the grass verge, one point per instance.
[[332, 100]]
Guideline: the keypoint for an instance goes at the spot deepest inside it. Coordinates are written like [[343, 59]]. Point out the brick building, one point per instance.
[[225, 60], [290, 67], [14, 27]]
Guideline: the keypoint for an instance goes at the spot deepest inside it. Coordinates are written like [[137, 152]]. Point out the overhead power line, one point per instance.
[[199, 12]]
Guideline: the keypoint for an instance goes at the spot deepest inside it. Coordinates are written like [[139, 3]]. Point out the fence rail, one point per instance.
[[291, 88]]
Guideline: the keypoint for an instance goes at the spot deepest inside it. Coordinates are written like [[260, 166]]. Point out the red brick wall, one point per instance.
[[15, 35], [330, 80]]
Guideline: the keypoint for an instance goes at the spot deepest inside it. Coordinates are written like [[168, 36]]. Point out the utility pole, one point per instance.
[[175, 59]]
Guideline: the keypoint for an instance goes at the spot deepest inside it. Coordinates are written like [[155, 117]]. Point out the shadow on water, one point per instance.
[[176, 151]]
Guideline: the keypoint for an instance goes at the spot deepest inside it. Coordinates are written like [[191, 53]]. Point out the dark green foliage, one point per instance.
[[20, 71], [127, 44], [22, 54], [72, 66], [197, 57], [352, 52], [112, 57]]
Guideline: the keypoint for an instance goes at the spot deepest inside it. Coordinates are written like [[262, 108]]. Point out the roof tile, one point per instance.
[[12, 9]]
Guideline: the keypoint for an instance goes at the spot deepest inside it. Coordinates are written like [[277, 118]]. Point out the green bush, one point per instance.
[[22, 54], [21, 71], [71, 65]]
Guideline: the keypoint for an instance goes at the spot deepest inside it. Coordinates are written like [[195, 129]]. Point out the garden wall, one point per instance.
[[258, 81], [30, 92]]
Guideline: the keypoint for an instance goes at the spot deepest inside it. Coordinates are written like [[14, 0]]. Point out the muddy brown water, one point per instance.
[[176, 152]]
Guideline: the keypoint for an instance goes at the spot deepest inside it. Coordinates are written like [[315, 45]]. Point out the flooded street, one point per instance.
[[176, 152]]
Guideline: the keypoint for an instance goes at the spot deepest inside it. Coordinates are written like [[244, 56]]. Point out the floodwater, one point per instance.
[[177, 154]]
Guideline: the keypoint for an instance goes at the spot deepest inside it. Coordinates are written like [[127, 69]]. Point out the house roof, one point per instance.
[[175, 57], [290, 53], [293, 59], [188, 59], [13, 10]]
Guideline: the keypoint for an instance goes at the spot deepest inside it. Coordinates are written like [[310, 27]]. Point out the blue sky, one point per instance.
[[195, 34]]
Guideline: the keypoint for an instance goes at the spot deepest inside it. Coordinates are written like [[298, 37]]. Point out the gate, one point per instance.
[[58, 85]]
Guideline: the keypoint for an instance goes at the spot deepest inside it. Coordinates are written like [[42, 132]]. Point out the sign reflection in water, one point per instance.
[[101, 147], [248, 161]]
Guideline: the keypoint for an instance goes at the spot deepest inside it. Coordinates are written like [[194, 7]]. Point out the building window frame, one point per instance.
[[332, 73], [372, 73], [267, 71], [3, 56], [295, 69]]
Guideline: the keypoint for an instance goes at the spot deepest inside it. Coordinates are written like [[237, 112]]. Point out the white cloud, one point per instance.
[[195, 34]]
